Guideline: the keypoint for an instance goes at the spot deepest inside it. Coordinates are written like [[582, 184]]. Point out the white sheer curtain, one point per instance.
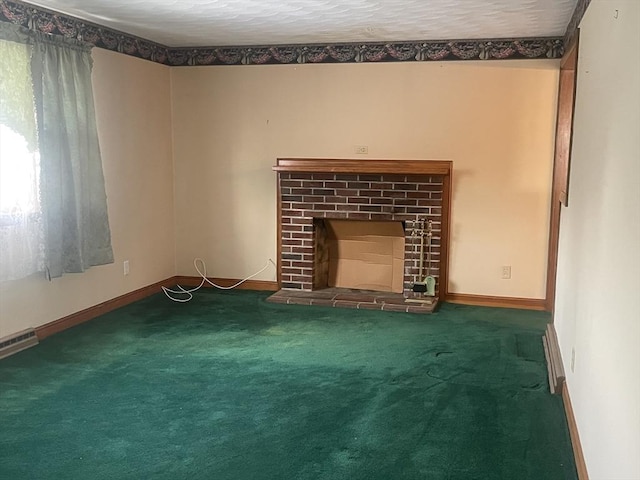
[[53, 214], [21, 228]]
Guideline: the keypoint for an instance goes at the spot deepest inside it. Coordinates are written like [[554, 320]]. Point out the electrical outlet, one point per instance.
[[125, 267], [506, 272], [361, 149], [573, 359]]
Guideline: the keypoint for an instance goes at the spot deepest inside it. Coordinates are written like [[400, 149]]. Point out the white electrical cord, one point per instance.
[[203, 274]]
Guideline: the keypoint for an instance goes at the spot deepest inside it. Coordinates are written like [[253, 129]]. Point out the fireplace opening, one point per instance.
[[356, 254]]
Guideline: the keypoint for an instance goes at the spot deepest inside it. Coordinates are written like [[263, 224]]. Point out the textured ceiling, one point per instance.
[[180, 23]]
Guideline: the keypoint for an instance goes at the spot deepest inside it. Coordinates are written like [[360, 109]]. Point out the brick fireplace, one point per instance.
[[313, 190]]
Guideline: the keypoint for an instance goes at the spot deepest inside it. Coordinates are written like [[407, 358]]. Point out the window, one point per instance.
[[18, 175], [53, 206], [21, 238]]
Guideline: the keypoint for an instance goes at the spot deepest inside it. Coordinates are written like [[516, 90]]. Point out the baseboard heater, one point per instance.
[[554, 360], [17, 342]]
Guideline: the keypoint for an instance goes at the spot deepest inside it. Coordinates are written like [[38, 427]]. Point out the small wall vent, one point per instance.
[[554, 360], [17, 342]]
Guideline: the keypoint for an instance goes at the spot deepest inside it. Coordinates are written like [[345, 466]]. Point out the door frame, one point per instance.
[[562, 160]]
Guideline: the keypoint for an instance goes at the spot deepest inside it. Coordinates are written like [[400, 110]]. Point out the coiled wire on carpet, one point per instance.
[[189, 292]]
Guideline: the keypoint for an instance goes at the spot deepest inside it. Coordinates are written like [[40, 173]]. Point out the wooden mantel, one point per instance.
[[324, 165]]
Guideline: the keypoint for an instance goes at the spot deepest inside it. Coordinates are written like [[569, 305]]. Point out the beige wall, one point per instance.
[[597, 312], [495, 120], [209, 136], [132, 99]]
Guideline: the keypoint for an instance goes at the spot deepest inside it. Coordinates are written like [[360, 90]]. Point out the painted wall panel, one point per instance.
[[133, 111], [597, 302], [495, 120]]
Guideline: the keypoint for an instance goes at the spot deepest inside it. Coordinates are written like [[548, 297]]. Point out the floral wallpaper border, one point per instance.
[[47, 21], [370, 52]]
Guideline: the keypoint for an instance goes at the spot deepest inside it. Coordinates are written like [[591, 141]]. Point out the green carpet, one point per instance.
[[229, 386]]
